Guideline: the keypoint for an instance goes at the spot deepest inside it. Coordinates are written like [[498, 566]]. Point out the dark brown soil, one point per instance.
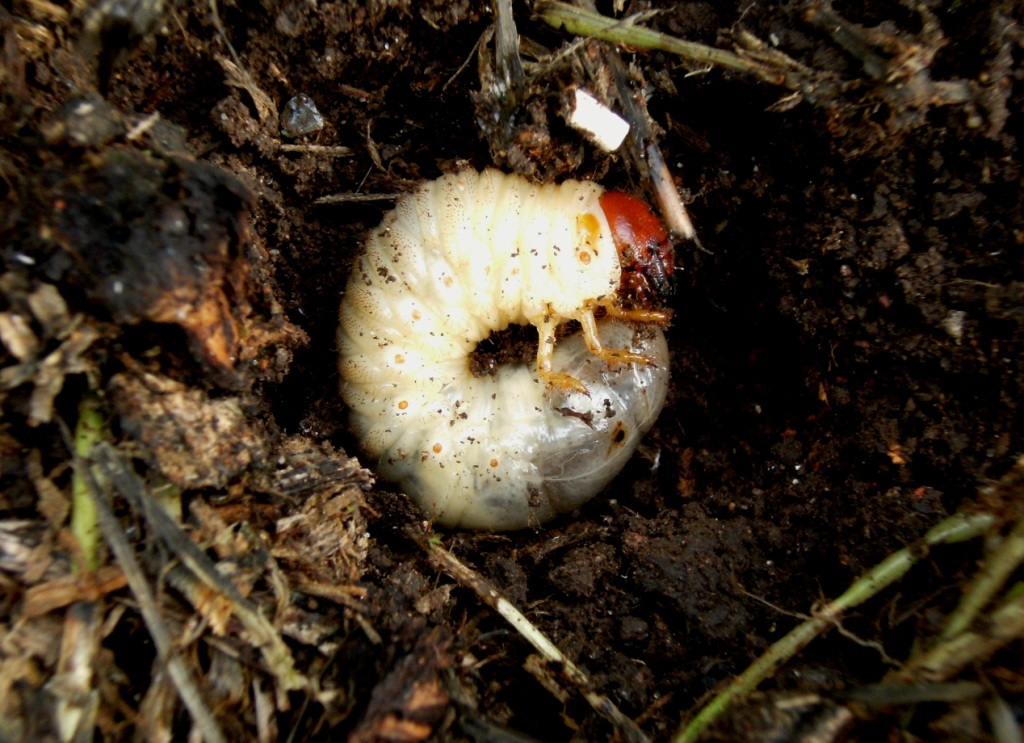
[[848, 347]]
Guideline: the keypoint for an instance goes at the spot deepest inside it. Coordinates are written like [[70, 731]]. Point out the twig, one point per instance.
[[263, 635], [584, 22], [672, 207], [1004, 625], [73, 685], [992, 576], [143, 126], [238, 73], [43, 598], [345, 198], [319, 149], [446, 561], [1003, 721], [484, 37], [176, 669], [756, 58], [892, 694], [506, 47], [956, 528]]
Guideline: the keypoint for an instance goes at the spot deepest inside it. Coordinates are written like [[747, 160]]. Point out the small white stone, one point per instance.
[[604, 126], [953, 323]]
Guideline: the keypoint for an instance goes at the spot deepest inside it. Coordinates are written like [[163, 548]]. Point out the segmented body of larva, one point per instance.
[[472, 253]]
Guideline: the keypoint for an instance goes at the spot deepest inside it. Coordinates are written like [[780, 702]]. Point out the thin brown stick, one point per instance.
[[448, 563], [263, 635], [125, 556]]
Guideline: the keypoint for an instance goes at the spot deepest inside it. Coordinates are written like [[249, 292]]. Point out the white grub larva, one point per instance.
[[470, 254]]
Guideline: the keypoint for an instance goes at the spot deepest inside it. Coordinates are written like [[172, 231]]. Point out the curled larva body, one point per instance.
[[462, 257]]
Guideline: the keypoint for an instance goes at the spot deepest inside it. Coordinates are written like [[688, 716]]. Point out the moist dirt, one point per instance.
[[847, 347]]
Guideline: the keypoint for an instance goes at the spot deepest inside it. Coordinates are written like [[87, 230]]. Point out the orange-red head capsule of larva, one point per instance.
[[645, 252]]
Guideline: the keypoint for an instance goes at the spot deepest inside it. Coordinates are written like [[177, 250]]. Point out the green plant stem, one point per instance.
[[956, 528], [989, 580], [90, 429], [583, 22], [1004, 624]]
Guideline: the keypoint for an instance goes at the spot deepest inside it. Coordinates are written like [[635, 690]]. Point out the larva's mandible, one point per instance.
[[472, 253]]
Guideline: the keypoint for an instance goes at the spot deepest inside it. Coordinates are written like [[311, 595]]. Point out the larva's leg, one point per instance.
[[608, 355], [661, 317], [545, 358]]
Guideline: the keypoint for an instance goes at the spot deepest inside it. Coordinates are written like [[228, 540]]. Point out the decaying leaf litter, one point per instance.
[[846, 376]]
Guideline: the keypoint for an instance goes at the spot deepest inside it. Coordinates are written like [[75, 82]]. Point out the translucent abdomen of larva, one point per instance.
[[500, 453]]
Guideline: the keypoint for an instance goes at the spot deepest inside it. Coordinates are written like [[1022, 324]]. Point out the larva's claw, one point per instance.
[[623, 356], [659, 317], [612, 355], [564, 383]]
